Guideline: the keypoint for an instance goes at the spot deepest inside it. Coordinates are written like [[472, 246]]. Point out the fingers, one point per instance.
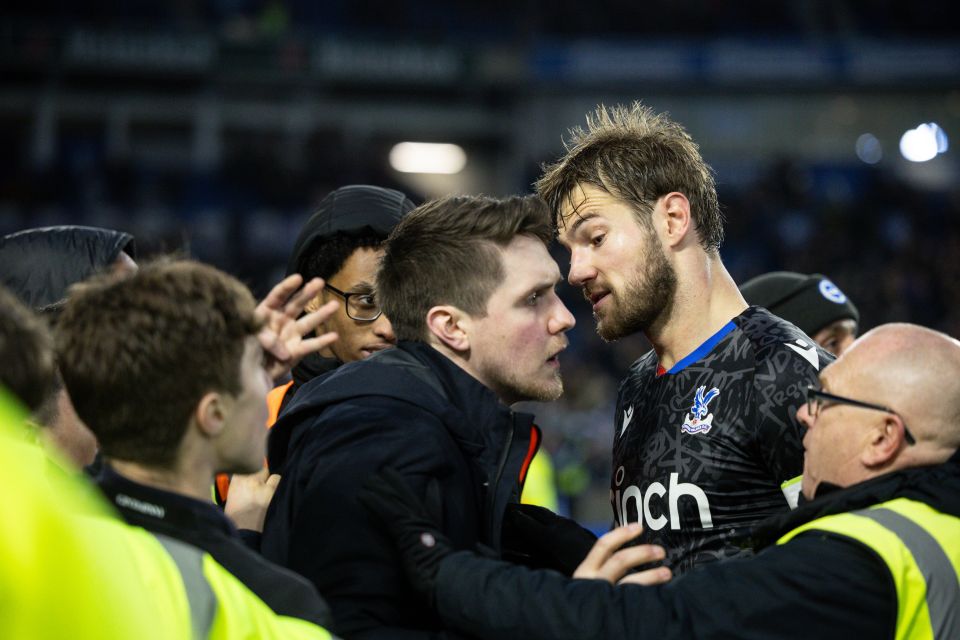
[[284, 297], [622, 562], [314, 319], [606, 561], [606, 545], [648, 578], [295, 305], [317, 344], [278, 296], [273, 481], [272, 344]]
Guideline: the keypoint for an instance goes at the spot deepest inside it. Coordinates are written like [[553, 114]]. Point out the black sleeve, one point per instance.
[[816, 586], [340, 547], [250, 538]]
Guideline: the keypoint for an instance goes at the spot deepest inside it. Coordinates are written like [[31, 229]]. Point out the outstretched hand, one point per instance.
[[282, 335], [607, 561]]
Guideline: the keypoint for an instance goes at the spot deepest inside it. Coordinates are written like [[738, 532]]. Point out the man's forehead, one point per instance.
[[581, 196], [527, 260]]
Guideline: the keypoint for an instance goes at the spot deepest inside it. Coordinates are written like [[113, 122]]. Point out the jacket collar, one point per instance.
[[483, 416], [159, 510], [938, 486], [310, 367]]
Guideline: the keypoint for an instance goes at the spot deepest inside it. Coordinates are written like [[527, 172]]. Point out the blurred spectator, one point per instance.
[[40, 266]]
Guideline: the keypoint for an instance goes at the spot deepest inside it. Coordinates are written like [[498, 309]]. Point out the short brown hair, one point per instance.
[[638, 156], [27, 368], [446, 252], [138, 353]]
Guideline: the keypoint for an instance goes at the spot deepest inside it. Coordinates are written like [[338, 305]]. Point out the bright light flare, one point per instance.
[[428, 157], [924, 142]]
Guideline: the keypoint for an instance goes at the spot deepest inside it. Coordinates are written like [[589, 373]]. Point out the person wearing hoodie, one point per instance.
[[39, 266], [340, 243]]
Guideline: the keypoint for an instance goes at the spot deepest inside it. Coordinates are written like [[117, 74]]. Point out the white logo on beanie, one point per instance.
[[831, 292]]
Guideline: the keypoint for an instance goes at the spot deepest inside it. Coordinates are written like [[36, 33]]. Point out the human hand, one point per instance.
[[539, 538], [282, 335], [607, 561], [249, 497]]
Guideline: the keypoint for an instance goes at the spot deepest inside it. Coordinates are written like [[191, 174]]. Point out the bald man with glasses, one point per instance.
[[874, 553]]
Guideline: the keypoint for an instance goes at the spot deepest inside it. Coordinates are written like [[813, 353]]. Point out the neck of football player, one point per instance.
[[706, 299], [190, 475]]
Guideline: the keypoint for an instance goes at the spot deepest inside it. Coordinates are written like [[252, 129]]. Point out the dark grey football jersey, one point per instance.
[[703, 450]]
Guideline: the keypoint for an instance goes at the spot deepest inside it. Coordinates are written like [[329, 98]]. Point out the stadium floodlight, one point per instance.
[[428, 157], [924, 142]]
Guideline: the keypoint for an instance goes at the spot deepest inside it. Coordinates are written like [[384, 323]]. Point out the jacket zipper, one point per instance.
[[495, 485]]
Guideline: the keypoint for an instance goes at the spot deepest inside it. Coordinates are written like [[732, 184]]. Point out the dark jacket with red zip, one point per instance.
[[413, 409]]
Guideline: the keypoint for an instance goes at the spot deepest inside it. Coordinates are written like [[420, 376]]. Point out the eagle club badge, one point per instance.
[[699, 420]]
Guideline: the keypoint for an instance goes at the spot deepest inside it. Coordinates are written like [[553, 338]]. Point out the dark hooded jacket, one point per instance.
[[40, 265], [412, 408]]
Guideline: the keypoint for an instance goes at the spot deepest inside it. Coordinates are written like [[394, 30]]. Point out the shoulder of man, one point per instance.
[[359, 395], [775, 340]]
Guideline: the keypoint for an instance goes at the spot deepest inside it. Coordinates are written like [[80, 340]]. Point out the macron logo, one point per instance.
[[806, 351], [627, 417]]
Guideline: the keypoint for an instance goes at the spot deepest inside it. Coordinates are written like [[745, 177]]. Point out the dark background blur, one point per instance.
[[213, 128]]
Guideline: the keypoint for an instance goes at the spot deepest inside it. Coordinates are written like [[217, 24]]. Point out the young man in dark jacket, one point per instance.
[[469, 287], [170, 368], [875, 553]]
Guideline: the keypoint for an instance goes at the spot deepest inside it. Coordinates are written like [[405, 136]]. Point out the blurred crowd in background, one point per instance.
[[236, 195]]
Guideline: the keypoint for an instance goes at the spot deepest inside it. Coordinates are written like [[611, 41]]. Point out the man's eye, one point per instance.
[[366, 300], [597, 240], [533, 299]]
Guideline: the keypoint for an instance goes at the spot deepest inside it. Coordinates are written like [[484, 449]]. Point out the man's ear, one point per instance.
[[677, 223], [211, 414], [885, 441], [450, 326]]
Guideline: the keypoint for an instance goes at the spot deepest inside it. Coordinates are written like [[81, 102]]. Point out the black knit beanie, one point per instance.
[[809, 301], [352, 209]]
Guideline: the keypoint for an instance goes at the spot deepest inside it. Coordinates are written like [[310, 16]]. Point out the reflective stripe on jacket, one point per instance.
[[921, 548]]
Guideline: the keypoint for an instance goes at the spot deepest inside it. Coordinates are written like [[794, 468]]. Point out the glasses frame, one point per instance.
[[815, 398], [346, 302]]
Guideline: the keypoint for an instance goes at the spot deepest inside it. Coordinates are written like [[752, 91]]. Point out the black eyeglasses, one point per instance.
[[361, 305], [817, 397]]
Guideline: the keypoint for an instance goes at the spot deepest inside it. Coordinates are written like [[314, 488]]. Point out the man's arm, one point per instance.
[[337, 544], [815, 586]]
